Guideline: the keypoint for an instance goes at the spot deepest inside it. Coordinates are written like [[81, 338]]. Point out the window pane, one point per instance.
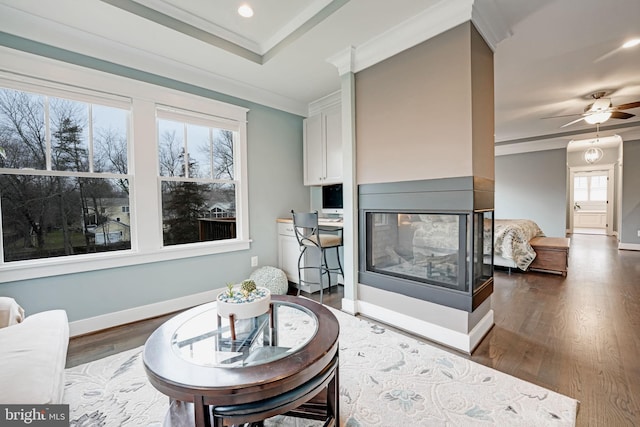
[[223, 154], [109, 139], [580, 188], [598, 188], [194, 212], [22, 130], [69, 146], [46, 216], [171, 148], [419, 247], [200, 151]]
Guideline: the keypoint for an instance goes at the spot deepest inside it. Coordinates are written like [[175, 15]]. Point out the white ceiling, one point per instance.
[[550, 55]]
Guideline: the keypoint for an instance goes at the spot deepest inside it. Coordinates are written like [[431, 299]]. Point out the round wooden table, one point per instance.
[[273, 363]]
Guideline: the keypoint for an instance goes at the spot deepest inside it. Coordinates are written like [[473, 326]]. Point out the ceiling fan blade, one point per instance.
[[563, 115], [621, 115], [570, 123], [628, 106]]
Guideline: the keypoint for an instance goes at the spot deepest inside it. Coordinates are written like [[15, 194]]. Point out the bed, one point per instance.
[[511, 246], [426, 245], [438, 235]]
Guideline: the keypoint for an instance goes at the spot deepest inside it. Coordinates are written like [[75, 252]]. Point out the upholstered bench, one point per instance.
[[552, 254]]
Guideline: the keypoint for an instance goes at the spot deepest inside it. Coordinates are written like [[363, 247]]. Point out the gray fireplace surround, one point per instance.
[[429, 239]]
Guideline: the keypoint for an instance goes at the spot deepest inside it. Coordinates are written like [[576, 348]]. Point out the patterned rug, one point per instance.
[[386, 379]]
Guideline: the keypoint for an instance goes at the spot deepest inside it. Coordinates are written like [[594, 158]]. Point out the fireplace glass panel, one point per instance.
[[421, 247], [483, 248]]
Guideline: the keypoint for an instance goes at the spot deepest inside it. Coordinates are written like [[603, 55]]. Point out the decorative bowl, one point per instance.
[[241, 306]]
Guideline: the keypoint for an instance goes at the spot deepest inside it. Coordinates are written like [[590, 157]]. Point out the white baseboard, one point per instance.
[[454, 339], [629, 246], [109, 320]]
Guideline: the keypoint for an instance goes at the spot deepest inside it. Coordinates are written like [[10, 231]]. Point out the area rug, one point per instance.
[[386, 379]]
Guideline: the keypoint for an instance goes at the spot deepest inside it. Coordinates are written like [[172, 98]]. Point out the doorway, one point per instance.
[[591, 196]]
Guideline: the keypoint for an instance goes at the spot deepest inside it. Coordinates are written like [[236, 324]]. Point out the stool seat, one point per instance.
[[289, 402], [326, 240]]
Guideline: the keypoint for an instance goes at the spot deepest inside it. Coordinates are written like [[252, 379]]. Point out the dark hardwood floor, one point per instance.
[[577, 335]]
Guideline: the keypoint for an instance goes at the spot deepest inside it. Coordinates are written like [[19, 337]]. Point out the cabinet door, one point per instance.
[[313, 149], [333, 146]]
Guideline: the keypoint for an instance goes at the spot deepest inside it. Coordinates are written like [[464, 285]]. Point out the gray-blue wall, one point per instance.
[[275, 187], [630, 193], [533, 186]]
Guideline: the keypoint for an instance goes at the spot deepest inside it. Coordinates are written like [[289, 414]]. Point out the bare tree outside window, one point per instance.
[[199, 202], [45, 214]]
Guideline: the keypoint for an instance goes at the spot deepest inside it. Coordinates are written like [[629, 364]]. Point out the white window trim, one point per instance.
[[146, 232]]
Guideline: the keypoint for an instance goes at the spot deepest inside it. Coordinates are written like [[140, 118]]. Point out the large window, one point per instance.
[[64, 165], [196, 167], [99, 171]]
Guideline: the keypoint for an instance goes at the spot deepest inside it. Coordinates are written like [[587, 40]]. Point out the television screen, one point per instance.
[[332, 198]]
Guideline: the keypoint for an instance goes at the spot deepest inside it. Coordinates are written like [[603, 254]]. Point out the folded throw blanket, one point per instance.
[[10, 312]]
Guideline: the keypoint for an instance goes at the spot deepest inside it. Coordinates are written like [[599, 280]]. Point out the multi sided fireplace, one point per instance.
[[429, 239]]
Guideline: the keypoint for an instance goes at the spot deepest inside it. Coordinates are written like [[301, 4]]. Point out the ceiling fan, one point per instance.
[[601, 110]]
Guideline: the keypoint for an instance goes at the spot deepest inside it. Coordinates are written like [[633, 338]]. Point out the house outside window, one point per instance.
[[61, 159], [196, 167]]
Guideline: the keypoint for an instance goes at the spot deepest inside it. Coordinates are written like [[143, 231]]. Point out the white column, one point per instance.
[[344, 61]]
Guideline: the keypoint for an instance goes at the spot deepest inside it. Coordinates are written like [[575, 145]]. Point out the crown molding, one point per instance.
[[441, 17], [435, 20], [344, 60], [531, 146], [489, 21], [325, 102], [179, 14], [80, 48]]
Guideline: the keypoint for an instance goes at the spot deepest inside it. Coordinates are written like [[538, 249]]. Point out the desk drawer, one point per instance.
[[286, 229]]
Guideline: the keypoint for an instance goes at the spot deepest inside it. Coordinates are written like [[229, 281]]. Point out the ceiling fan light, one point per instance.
[[602, 117], [592, 155]]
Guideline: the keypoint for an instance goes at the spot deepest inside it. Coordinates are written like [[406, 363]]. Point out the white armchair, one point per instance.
[[33, 352]]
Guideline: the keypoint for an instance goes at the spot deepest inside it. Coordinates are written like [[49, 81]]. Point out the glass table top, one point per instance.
[[205, 338]]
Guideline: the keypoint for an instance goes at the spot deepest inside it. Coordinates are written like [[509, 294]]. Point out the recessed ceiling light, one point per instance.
[[245, 11], [631, 43]]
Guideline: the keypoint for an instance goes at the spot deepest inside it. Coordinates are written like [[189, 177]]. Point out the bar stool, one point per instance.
[[310, 238]]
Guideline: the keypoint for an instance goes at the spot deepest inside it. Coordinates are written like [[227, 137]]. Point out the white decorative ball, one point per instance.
[[271, 278]]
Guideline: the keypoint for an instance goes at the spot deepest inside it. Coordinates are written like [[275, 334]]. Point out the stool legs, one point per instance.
[[322, 268]]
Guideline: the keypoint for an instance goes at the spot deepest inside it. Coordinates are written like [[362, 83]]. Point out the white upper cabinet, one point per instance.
[[323, 147]]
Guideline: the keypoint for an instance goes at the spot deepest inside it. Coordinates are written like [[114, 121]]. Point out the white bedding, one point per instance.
[[511, 241], [438, 235]]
